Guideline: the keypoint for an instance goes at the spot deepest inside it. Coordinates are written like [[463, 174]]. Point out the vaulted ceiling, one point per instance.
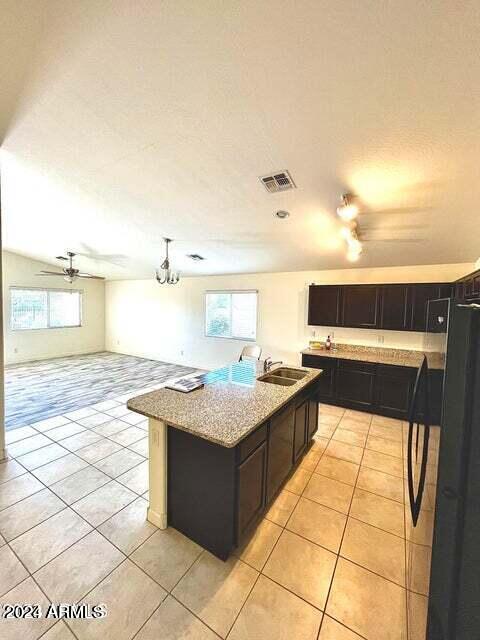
[[125, 122]]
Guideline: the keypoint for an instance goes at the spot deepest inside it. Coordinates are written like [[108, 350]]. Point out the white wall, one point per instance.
[[167, 322], [22, 346]]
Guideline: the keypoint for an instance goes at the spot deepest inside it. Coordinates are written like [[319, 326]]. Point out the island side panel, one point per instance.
[[201, 491], [157, 472]]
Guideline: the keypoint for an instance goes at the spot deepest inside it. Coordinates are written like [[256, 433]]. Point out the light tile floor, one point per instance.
[[326, 563]]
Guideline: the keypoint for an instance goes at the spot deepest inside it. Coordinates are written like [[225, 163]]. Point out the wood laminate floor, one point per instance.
[[43, 389]]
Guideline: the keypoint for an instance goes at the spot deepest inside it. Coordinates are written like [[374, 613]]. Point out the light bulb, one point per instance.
[[347, 212], [354, 245], [353, 256], [345, 232]]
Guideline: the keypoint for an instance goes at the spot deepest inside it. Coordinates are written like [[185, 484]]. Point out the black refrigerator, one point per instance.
[[443, 483]]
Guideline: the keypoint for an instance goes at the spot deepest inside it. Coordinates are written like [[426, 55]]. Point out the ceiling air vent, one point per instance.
[[281, 181]]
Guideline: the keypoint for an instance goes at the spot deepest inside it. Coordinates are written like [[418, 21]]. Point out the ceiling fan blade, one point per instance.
[[117, 259], [393, 240], [87, 275], [50, 273], [395, 210]]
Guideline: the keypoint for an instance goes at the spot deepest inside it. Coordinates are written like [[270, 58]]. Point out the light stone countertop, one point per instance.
[[232, 403], [398, 357]]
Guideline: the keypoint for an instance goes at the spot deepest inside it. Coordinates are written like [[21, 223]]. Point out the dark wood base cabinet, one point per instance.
[[382, 389], [217, 495]]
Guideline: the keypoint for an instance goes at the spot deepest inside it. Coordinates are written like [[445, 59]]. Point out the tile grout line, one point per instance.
[[169, 592], [342, 538]]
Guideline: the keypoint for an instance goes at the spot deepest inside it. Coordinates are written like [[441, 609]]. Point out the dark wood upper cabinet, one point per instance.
[[394, 307], [446, 290], [468, 287], [420, 295], [459, 290], [360, 306], [324, 305], [398, 307]]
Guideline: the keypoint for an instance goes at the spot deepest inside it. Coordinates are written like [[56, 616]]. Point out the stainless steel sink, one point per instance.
[[287, 372], [273, 379]]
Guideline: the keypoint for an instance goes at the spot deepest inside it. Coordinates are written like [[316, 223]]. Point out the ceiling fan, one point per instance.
[[70, 274]]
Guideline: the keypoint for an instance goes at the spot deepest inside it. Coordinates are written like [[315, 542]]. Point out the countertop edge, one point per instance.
[[315, 373]]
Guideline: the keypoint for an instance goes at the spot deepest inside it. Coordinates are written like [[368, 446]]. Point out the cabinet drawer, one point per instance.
[[399, 372], [251, 442], [317, 362], [356, 365]]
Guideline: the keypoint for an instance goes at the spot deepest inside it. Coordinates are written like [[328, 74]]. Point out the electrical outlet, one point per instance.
[[381, 339], [15, 350], [156, 438], [181, 352], [118, 342]]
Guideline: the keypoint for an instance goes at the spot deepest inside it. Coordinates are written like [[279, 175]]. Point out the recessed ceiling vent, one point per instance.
[[195, 256], [281, 181]]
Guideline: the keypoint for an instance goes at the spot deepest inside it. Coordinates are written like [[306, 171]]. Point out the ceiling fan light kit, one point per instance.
[[69, 274], [347, 212], [165, 275]]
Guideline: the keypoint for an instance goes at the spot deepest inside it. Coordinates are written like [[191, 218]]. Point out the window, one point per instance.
[[45, 308], [231, 314]]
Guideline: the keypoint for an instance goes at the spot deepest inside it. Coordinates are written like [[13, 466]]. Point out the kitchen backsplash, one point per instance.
[[369, 337]]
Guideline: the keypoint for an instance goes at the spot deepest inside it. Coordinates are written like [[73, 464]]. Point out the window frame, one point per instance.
[[229, 292], [47, 290]]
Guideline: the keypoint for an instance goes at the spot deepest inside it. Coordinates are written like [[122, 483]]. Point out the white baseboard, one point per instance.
[[158, 519]]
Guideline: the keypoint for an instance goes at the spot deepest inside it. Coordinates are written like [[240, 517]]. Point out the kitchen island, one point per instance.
[[220, 454]]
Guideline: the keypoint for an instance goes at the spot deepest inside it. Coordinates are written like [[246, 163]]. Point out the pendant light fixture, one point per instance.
[[165, 275]]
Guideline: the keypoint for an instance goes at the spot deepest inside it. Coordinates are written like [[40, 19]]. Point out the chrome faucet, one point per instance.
[[268, 364]]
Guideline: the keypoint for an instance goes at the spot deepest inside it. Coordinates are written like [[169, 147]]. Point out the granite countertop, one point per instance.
[[399, 357], [232, 403]]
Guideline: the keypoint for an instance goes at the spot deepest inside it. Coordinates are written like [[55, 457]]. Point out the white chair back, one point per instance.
[[251, 351]]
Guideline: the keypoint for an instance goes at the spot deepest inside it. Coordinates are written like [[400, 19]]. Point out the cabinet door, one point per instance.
[[280, 449], [446, 290], [312, 418], [326, 382], [459, 290], [476, 286], [468, 286], [393, 390], [251, 489], [360, 306], [324, 305], [394, 307], [300, 438], [420, 295], [355, 383]]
